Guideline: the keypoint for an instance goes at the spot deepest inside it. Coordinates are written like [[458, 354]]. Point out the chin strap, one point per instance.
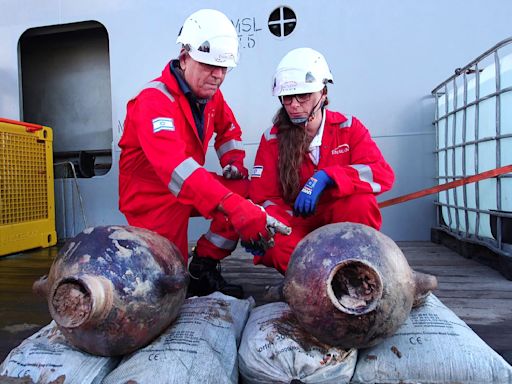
[[305, 120]]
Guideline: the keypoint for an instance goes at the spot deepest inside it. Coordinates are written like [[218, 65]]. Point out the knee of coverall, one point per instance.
[[239, 186], [279, 255], [359, 208]]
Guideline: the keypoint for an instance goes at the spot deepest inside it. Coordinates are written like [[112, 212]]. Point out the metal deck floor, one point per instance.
[[479, 295]]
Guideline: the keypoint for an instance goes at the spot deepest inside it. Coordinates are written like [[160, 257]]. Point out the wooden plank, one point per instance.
[[473, 294], [466, 271]]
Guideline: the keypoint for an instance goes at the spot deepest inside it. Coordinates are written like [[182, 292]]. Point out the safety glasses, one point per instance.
[[301, 98], [211, 68]]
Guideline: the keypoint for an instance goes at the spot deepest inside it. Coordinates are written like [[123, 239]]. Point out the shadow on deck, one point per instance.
[[479, 295]]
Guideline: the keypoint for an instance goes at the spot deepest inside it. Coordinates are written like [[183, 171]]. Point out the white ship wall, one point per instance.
[[386, 57]]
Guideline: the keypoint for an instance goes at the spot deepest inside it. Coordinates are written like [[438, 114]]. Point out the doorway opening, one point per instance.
[[65, 85]]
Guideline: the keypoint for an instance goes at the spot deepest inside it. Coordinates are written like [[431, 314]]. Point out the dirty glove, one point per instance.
[[306, 201], [258, 248], [248, 219], [253, 248], [235, 171]]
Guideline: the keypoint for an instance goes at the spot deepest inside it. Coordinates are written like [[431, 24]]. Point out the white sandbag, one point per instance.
[[199, 347], [275, 350], [433, 346], [46, 357]]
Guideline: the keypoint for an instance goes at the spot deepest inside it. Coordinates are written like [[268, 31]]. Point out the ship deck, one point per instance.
[[479, 295]]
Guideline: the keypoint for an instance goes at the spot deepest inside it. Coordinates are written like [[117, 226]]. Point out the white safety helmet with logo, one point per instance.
[[210, 38], [302, 70]]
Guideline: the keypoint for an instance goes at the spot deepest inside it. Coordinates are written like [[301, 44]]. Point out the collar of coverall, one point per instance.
[[317, 139], [178, 74]]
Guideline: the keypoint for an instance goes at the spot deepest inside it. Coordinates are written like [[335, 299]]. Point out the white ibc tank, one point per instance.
[[467, 144]]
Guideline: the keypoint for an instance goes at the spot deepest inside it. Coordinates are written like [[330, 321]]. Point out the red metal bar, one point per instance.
[[443, 187]]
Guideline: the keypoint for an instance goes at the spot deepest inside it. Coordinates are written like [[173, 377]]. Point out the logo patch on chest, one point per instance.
[[342, 148], [163, 124]]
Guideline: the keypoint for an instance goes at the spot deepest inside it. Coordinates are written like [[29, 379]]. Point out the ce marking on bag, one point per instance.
[[155, 357], [415, 340], [24, 373]]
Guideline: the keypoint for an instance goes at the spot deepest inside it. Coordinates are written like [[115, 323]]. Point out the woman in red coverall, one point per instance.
[[166, 134], [314, 166]]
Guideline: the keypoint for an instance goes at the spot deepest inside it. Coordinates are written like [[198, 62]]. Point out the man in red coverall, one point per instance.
[[167, 129], [314, 166]]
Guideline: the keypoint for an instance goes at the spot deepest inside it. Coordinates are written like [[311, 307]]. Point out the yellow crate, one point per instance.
[[27, 200]]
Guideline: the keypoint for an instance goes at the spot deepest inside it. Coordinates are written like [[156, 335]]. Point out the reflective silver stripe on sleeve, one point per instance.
[[268, 135], [229, 146], [161, 87], [366, 175], [181, 174], [347, 123], [220, 242]]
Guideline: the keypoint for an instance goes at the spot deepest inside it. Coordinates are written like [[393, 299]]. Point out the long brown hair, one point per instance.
[[293, 145]]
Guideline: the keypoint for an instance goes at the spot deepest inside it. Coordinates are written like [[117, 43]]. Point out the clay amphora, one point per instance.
[[113, 289], [350, 286]]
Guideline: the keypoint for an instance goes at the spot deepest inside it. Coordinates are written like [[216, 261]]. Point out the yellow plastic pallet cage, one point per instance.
[[27, 200]]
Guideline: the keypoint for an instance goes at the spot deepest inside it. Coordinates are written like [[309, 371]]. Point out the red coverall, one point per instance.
[[353, 161], [162, 181]]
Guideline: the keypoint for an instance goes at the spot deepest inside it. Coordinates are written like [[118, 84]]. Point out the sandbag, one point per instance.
[[274, 349], [433, 346], [199, 347], [47, 356]]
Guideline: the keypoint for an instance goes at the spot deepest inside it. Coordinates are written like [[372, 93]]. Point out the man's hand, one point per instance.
[[306, 201], [255, 226], [248, 219], [258, 248], [235, 171]]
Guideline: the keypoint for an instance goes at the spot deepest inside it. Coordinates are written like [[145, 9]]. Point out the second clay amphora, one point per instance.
[[350, 286]]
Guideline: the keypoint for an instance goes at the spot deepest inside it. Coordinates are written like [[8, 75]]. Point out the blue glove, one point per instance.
[[306, 201]]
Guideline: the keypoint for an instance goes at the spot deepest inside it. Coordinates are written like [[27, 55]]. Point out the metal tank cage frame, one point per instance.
[[453, 208]]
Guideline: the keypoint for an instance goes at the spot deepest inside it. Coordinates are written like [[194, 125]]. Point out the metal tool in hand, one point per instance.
[[231, 172], [273, 226]]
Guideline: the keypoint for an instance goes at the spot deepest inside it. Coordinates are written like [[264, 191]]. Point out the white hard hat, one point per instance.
[[210, 38], [302, 70]]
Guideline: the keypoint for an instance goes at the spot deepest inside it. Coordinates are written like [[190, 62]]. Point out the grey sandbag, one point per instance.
[[199, 347], [46, 357], [274, 349], [433, 346]]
